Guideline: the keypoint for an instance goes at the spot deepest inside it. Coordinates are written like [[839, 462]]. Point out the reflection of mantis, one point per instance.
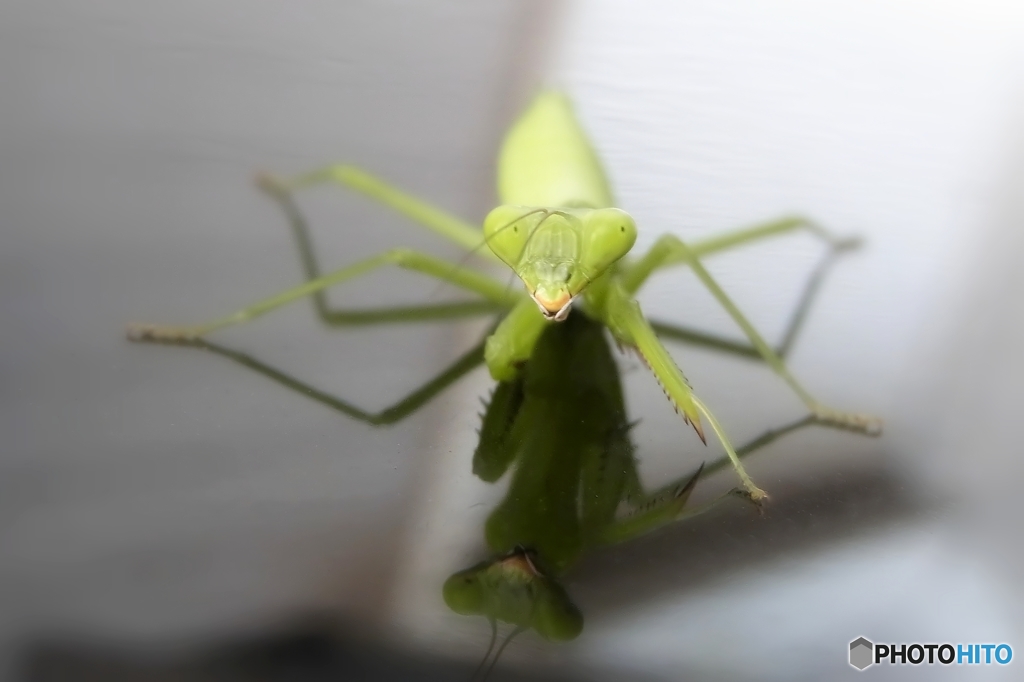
[[562, 424], [558, 410], [557, 232]]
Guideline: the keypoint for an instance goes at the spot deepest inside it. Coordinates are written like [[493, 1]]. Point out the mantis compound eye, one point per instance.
[[608, 235], [556, 617], [463, 592], [507, 230]]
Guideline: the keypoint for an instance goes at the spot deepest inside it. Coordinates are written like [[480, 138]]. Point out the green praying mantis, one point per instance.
[[557, 416], [558, 231]]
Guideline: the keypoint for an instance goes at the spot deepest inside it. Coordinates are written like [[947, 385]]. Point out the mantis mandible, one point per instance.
[[558, 230]]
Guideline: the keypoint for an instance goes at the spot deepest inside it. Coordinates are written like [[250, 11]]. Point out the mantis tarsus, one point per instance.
[[558, 231]]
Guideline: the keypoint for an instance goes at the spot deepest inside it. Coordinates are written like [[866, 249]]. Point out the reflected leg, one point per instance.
[[651, 510], [623, 317]]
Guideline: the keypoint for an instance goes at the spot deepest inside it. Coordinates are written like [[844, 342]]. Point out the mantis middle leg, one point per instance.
[[660, 256], [347, 317], [489, 289], [723, 344], [458, 231]]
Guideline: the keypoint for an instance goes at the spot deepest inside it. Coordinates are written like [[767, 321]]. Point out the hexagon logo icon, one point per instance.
[[861, 650]]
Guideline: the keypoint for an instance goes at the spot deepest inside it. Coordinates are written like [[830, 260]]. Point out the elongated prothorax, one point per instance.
[[547, 160]]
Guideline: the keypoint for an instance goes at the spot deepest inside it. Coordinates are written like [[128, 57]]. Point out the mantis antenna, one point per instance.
[[490, 648], [497, 654], [485, 242]]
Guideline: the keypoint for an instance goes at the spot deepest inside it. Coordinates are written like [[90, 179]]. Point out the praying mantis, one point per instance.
[[557, 415], [559, 232]]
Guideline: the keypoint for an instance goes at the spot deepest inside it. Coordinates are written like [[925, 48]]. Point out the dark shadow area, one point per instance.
[[689, 556], [311, 650], [683, 557]]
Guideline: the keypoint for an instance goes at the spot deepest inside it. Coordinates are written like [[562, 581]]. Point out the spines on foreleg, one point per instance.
[[497, 447]]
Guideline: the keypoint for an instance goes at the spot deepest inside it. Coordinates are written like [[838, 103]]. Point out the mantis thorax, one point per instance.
[[558, 253]]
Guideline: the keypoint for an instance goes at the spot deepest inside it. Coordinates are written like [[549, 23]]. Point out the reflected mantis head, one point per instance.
[[513, 589]]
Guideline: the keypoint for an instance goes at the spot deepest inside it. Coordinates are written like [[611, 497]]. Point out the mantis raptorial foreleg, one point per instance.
[[513, 341], [470, 280], [670, 248], [628, 326]]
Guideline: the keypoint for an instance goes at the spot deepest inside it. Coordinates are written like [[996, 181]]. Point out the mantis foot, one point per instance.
[[151, 333], [757, 499], [850, 421], [751, 493], [271, 184]]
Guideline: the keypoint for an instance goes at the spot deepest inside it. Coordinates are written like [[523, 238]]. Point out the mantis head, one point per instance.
[[511, 589], [558, 253]]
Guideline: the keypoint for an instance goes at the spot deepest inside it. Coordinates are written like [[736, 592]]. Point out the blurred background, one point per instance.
[[168, 514]]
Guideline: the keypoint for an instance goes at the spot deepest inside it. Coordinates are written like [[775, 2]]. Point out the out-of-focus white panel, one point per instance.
[[897, 121], [887, 120]]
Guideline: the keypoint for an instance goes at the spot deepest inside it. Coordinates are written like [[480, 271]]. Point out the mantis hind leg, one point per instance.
[[670, 247], [389, 415]]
